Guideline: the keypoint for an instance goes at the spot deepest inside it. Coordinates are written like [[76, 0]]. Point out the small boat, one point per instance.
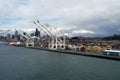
[[15, 43], [111, 52]]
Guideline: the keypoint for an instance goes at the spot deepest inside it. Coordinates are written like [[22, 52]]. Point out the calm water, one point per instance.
[[18, 63]]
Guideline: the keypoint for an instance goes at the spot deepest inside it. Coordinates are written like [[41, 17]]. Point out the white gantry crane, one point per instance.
[[2, 30], [55, 42], [30, 41]]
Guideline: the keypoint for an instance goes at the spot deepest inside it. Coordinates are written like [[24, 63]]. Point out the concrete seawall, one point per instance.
[[97, 55]]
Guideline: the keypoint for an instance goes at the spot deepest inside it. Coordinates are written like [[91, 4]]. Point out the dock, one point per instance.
[[52, 41], [89, 54]]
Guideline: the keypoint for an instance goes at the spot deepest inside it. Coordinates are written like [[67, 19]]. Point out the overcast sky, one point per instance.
[[74, 17]]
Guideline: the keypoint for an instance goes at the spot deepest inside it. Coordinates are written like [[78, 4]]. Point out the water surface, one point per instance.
[[19, 63]]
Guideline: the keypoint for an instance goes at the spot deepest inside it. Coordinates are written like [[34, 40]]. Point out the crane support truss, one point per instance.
[[30, 41], [55, 42]]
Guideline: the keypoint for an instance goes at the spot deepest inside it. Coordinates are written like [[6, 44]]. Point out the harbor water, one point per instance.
[[20, 63]]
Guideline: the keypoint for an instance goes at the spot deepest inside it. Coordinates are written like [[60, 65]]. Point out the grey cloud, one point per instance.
[[99, 16]]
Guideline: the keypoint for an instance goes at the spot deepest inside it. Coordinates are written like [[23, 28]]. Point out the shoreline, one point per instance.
[[89, 54]]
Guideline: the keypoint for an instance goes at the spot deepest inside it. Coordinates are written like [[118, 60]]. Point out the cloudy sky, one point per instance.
[[74, 17]]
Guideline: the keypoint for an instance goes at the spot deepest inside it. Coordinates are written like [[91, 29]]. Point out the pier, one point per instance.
[[89, 54], [54, 42]]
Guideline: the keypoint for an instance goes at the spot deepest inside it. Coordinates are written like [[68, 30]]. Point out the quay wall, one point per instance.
[[89, 54]]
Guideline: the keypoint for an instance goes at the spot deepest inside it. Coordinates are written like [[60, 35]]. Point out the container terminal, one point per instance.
[[62, 43]]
